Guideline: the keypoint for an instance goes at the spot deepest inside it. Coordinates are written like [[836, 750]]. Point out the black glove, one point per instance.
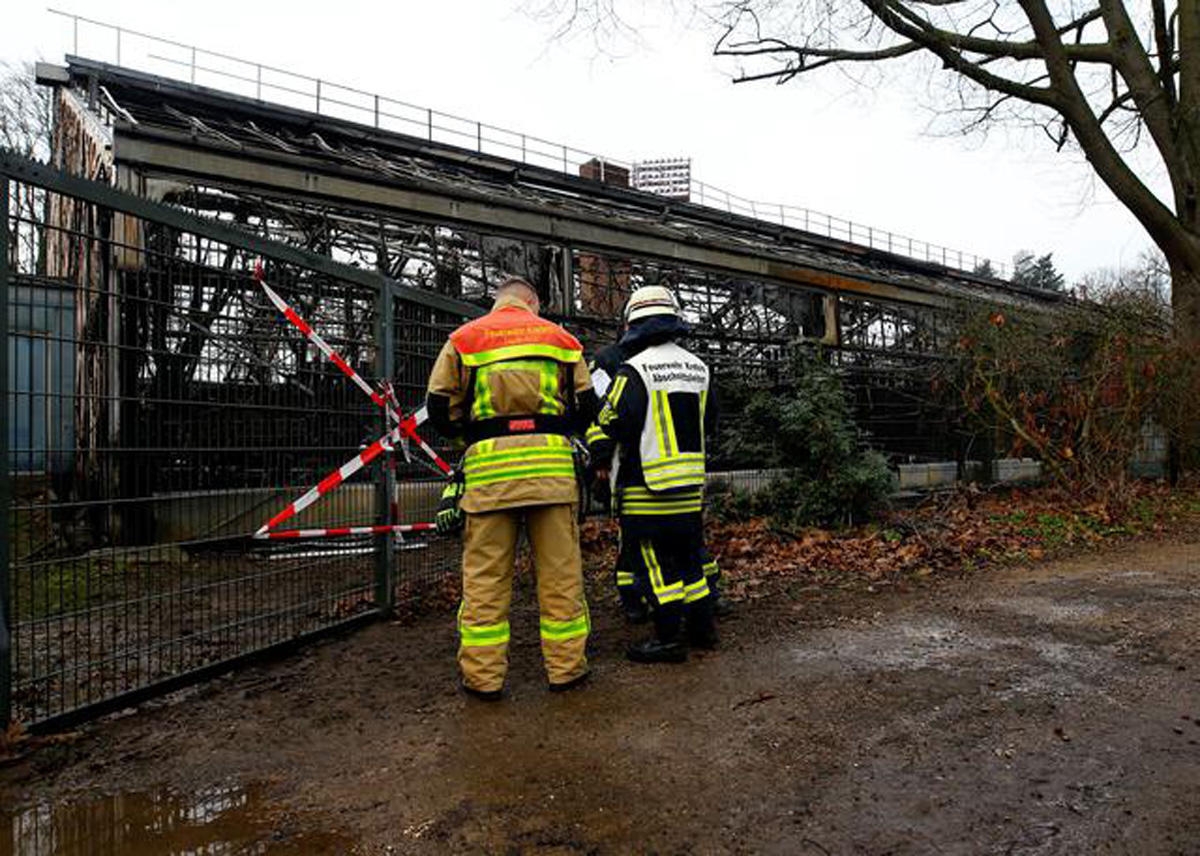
[[450, 517], [602, 491]]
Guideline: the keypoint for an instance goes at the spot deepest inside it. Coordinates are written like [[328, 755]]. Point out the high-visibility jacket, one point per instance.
[[671, 447], [514, 386], [655, 412]]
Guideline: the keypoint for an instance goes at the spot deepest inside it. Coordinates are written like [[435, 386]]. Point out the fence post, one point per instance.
[[385, 369], [6, 615]]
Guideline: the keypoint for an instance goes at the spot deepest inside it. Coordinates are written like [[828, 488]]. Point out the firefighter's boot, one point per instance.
[[701, 628], [657, 651], [668, 645], [633, 605]]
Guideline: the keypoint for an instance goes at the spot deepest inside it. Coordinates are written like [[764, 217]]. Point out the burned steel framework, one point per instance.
[[447, 221], [187, 408]]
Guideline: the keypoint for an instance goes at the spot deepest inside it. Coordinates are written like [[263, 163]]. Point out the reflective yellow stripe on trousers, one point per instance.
[[695, 591], [639, 501], [561, 631], [482, 635], [663, 593]]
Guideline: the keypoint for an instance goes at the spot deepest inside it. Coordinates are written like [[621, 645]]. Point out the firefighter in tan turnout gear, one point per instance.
[[515, 388], [652, 426]]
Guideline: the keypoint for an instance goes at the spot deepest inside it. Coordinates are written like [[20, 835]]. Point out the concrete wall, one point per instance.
[[214, 514], [196, 515]]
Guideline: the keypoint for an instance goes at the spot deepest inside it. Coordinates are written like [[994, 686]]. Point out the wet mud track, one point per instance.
[[1052, 709]]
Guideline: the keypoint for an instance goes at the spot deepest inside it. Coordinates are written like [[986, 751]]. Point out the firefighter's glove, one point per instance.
[[450, 518], [602, 490]]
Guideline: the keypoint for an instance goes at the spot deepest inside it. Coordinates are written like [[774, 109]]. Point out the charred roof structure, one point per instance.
[[445, 220]]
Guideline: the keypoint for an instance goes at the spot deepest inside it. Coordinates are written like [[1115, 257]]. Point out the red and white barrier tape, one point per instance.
[[419, 417], [342, 531], [404, 432], [384, 399], [331, 481], [323, 346]]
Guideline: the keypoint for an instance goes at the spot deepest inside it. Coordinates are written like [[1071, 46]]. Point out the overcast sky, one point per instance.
[[859, 154]]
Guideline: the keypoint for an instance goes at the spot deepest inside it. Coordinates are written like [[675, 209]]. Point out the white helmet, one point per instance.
[[650, 300]]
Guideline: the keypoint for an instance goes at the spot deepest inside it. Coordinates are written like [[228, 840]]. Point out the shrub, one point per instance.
[[1077, 387], [805, 427]]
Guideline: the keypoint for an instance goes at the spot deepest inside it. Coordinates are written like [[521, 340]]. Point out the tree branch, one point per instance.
[[1112, 169], [1134, 66], [1164, 40], [901, 21]]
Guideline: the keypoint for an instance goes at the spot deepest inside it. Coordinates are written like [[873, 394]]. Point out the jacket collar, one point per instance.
[[510, 301], [654, 330]]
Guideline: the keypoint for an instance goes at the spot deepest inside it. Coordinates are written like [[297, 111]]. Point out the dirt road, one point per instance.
[[1029, 710]]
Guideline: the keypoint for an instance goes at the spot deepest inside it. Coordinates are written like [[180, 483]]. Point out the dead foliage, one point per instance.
[[16, 742], [950, 534], [1083, 391]]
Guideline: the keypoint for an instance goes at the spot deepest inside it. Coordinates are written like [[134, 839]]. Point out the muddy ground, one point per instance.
[[1052, 708]]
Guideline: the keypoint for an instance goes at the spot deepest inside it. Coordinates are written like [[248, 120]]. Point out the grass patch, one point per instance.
[[58, 588]]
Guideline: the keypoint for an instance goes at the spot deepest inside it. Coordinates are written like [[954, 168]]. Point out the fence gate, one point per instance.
[[158, 410]]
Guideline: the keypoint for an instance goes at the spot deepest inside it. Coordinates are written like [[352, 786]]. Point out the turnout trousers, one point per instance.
[[669, 571], [489, 549], [633, 580]]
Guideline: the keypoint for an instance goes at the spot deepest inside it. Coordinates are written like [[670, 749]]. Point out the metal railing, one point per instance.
[[142, 51]]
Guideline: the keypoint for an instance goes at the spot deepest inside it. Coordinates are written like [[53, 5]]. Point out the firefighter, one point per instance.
[[514, 388], [652, 428], [634, 601]]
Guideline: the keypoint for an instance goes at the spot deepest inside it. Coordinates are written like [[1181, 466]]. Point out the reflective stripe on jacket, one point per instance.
[[512, 364], [671, 446], [511, 332]]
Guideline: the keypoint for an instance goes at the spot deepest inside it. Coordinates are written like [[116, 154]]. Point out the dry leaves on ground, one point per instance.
[[949, 534]]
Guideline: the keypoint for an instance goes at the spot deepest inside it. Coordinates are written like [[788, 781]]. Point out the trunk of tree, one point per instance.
[[1185, 305]]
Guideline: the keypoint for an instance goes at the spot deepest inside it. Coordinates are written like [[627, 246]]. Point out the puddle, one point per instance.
[[912, 644], [1048, 609], [218, 821]]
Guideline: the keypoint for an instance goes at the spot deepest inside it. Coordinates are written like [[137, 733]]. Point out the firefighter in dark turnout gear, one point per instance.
[[604, 366], [652, 426]]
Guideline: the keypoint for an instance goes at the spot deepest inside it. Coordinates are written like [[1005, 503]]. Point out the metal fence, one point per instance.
[[159, 409]]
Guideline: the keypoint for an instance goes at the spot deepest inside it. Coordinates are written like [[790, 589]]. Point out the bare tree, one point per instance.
[[25, 128], [1116, 79], [1148, 278]]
